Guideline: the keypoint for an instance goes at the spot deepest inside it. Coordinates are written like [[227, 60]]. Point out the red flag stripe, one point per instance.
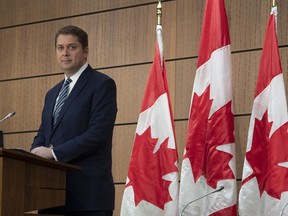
[[215, 31], [269, 67]]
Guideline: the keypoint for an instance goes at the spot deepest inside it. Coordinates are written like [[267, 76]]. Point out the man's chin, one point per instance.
[[69, 71], [66, 67]]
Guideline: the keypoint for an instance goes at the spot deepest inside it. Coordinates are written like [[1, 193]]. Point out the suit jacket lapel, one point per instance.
[[81, 82], [51, 103]]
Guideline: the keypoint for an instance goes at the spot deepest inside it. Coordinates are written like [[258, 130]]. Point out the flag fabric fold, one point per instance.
[[264, 189], [152, 182], [209, 157]]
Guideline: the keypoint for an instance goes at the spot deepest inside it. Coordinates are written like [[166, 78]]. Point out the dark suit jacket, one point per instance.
[[83, 136]]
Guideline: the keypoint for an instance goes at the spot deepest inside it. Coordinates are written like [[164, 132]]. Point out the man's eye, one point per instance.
[[60, 48], [72, 47]]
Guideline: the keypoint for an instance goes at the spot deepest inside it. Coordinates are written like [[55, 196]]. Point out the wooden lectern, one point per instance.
[[29, 182]]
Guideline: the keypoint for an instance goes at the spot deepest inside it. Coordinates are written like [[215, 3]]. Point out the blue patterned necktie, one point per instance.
[[61, 99]]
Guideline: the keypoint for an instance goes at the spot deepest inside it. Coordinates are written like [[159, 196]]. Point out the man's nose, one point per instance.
[[66, 51]]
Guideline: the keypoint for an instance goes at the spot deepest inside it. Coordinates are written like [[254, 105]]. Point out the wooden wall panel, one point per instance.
[[284, 63], [189, 22], [241, 133], [123, 139], [118, 199], [26, 98], [27, 11], [185, 75], [245, 68], [180, 131], [112, 41], [248, 22], [19, 140]]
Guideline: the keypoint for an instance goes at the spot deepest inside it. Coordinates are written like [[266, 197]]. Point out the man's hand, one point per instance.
[[43, 152]]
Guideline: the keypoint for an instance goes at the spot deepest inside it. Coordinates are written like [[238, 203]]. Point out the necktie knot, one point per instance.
[[68, 81]]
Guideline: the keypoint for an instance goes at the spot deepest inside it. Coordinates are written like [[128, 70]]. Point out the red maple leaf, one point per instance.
[[205, 135], [147, 169], [266, 154]]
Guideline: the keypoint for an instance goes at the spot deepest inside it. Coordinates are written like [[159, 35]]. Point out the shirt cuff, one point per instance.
[[54, 156]]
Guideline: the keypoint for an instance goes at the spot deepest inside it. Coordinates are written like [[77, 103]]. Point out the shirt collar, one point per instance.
[[75, 76]]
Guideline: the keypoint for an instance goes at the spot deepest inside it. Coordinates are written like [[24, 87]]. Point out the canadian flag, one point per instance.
[[152, 183], [264, 189], [209, 158]]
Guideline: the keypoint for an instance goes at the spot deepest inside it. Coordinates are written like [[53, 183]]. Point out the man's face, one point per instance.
[[70, 54]]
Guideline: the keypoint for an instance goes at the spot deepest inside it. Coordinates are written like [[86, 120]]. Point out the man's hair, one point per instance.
[[76, 31]]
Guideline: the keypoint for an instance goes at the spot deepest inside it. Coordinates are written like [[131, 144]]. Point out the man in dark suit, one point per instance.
[[79, 130]]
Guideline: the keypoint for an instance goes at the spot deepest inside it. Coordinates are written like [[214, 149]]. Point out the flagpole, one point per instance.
[[159, 31], [159, 12], [273, 4]]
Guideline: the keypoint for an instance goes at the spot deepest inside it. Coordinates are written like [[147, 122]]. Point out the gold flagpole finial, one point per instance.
[[159, 12], [273, 4]]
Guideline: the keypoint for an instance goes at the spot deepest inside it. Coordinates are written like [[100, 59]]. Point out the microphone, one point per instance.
[[214, 191], [9, 115]]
